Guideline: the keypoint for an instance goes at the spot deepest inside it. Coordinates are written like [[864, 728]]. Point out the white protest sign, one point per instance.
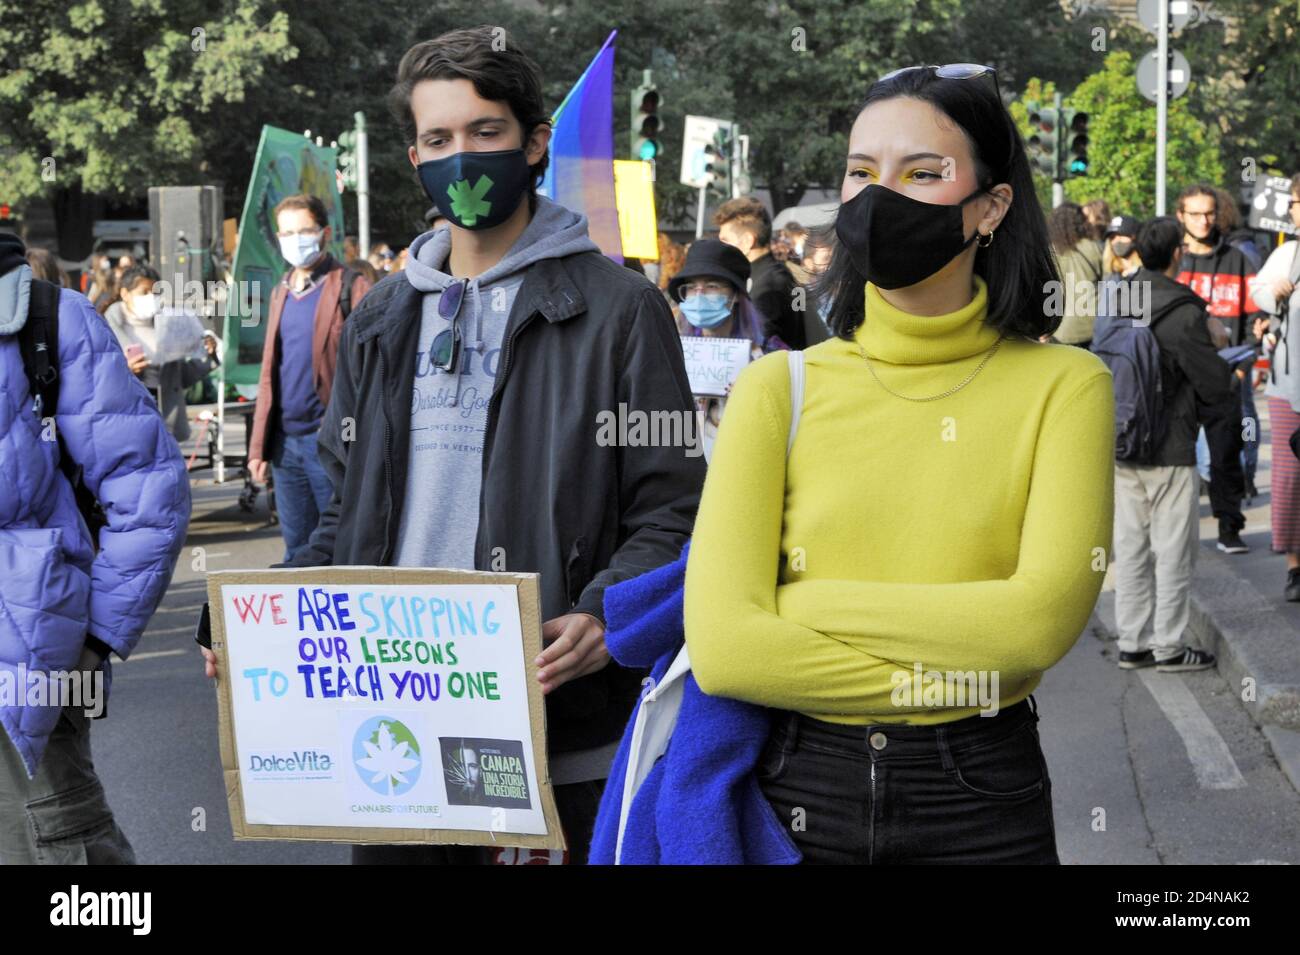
[[383, 705], [714, 363]]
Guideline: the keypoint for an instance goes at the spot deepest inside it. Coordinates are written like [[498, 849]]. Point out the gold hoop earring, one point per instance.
[[985, 245]]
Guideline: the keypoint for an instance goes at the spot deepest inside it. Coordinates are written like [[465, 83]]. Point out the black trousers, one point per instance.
[[1223, 424], [974, 791], [577, 804]]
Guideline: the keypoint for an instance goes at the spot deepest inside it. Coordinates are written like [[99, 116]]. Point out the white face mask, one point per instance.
[[298, 250], [143, 307]]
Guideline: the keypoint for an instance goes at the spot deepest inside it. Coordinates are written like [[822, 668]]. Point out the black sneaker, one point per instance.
[[1189, 659], [1136, 661], [1292, 592], [1252, 492], [1230, 542]]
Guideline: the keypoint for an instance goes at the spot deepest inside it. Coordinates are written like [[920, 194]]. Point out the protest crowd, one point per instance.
[[779, 563]]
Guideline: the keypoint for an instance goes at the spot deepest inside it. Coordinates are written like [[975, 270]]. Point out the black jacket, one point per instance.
[[1190, 366], [584, 336], [1221, 278], [771, 289]]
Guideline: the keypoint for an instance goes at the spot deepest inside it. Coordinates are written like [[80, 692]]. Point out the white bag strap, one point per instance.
[[656, 717], [795, 359]]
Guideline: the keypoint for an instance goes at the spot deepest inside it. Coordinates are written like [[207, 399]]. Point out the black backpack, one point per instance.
[[38, 340], [350, 275]]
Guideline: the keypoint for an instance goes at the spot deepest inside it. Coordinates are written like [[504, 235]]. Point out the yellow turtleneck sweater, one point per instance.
[[966, 535]]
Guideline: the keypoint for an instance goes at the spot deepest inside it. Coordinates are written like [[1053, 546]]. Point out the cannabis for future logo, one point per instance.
[[386, 755], [467, 203]]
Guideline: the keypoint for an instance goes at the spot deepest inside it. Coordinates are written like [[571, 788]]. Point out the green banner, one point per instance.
[[287, 164]]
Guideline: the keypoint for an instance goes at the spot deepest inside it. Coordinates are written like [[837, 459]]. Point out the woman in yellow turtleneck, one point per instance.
[[939, 534]]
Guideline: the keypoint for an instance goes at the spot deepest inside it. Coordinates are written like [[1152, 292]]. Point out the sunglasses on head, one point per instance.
[[444, 353], [953, 71]]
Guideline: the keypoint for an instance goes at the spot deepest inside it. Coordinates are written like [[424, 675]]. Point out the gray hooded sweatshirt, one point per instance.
[[449, 410]]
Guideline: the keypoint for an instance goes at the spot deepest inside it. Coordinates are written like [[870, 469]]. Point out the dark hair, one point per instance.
[[490, 59], [1229, 216], [136, 273], [1200, 189], [1018, 266], [45, 265], [748, 213], [1158, 241], [1100, 208], [1067, 226], [302, 200]]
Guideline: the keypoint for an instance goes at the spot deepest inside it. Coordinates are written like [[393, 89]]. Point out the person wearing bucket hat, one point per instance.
[[710, 291]]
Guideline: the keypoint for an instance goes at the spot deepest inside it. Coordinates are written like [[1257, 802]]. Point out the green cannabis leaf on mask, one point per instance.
[[468, 204]]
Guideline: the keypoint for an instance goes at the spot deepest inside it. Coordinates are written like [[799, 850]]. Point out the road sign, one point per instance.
[[1180, 12], [1180, 75], [701, 133]]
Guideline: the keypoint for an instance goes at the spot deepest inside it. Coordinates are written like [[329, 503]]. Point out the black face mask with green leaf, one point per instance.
[[476, 190]]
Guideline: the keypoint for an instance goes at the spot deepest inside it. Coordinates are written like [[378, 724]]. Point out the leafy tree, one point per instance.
[[113, 96], [1122, 146], [1122, 140]]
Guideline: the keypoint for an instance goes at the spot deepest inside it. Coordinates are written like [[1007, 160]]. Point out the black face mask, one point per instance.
[[476, 190], [896, 241]]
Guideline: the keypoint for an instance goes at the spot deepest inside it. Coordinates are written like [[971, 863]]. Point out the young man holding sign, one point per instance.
[[462, 428]]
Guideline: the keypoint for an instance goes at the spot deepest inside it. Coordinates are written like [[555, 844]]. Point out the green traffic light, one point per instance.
[[648, 150]]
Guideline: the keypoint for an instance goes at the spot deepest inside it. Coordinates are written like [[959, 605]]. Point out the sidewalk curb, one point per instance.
[[1255, 644], [1256, 647]]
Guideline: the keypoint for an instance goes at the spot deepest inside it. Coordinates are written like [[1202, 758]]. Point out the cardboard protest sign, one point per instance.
[[383, 705], [714, 363]]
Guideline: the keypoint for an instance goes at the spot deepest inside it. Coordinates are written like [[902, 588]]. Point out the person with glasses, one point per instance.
[[894, 585], [711, 290], [1220, 273], [299, 355], [1276, 289], [465, 428]]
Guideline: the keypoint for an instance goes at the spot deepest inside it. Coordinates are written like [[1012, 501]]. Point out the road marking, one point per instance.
[[152, 654], [1211, 760]]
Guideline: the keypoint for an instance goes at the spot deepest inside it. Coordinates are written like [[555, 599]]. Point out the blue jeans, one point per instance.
[[302, 489], [971, 791], [1250, 449]]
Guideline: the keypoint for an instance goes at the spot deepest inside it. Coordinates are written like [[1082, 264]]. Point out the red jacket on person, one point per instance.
[[324, 348]]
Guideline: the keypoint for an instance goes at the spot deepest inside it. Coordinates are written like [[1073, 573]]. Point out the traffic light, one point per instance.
[[644, 138], [719, 164], [1044, 139], [348, 157], [6, 212], [1076, 148]]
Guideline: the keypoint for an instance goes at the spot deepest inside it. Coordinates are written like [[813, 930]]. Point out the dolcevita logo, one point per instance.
[[300, 761], [387, 756]]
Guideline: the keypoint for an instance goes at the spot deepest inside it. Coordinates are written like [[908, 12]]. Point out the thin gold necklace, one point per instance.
[[950, 391]]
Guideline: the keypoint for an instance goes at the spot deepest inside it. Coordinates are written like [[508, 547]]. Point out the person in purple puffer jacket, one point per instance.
[[63, 606]]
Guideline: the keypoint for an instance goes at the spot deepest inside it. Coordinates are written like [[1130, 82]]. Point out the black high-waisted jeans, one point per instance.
[[973, 791]]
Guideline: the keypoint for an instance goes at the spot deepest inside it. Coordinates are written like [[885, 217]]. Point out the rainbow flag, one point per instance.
[[581, 172]]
